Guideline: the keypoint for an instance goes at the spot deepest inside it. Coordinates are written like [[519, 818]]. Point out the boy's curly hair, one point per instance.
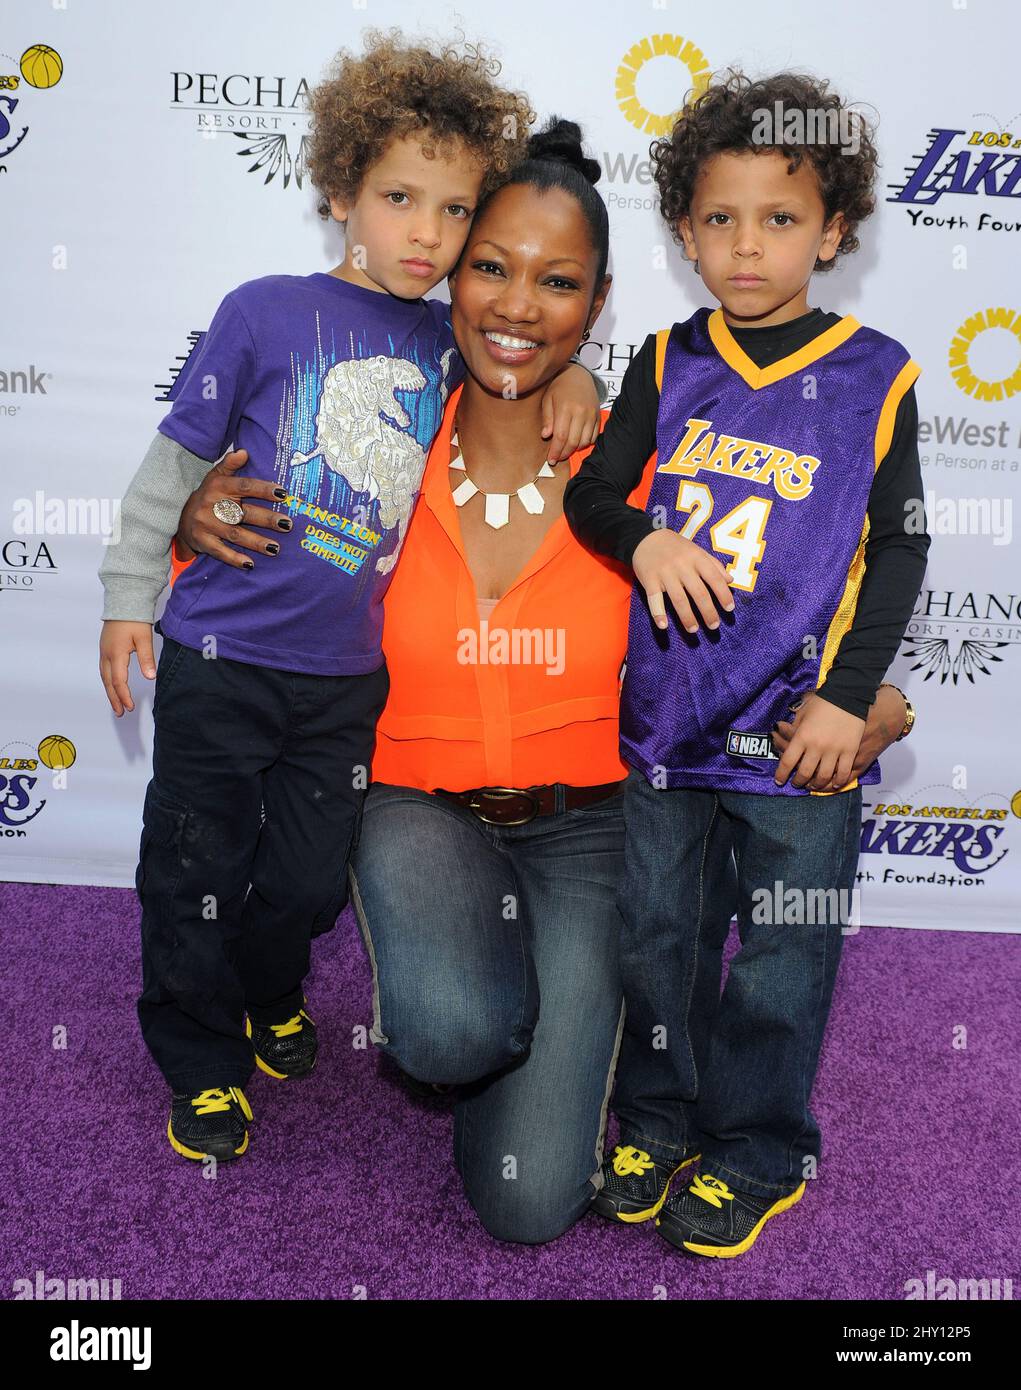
[[393, 89], [729, 115]]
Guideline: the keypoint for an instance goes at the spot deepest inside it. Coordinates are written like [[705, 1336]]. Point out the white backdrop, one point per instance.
[[131, 204]]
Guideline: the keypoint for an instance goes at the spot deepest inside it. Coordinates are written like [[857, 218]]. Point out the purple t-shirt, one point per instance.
[[336, 391]]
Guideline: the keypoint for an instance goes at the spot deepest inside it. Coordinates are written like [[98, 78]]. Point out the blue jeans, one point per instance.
[[744, 1100], [494, 956]]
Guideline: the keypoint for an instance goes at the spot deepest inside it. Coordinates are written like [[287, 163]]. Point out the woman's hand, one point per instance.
[[200, 532], [570, 412], [887, 717], [666, 563]]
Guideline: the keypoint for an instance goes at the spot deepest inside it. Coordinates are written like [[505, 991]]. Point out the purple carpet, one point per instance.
[[349, 1184]]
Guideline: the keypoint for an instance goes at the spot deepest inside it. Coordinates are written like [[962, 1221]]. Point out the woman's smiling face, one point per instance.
[[524, 291]]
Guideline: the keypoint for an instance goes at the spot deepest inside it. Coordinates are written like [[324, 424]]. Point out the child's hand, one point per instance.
[[570, 412], [822, 746], [116, 643], [887, 716], [666, 563]]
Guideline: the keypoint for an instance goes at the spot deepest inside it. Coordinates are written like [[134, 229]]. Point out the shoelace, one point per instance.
[[631, 1161], [217, 1101], [288, 1029], [711, 1189], [211, 1102]]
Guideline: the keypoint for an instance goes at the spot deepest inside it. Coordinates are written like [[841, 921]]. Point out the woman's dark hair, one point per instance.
[[555, 159]]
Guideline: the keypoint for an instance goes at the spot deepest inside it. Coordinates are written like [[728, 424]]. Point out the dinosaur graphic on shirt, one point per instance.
[[362, 433]]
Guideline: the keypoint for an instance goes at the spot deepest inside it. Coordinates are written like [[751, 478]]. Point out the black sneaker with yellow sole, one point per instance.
[[635, 1186], [711, 1218], [287, 1049], [210, 1124]]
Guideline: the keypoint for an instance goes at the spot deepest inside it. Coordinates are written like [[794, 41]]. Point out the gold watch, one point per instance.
[[909, 722]]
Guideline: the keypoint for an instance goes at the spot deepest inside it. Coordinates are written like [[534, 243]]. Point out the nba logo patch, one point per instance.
[[750, 745]]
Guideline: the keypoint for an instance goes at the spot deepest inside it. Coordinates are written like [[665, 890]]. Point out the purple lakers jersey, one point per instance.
[[769, 469]]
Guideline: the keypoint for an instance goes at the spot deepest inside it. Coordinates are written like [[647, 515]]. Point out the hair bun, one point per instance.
[[560, 141]]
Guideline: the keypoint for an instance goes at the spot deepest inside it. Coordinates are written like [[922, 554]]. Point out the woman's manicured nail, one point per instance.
[[249, 565], [285, 523], [272, 548], [280, 494]]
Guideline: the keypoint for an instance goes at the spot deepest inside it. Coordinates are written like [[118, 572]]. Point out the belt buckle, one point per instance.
[[506, 793]]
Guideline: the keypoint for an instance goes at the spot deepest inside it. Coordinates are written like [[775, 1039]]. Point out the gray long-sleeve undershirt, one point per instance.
[[135, 570]]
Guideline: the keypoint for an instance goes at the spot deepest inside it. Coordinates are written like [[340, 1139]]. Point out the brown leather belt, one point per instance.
[[519, 805]]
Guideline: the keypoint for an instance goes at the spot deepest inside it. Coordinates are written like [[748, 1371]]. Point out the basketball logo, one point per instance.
[[41, 66], [57, 752], [1015, 804]]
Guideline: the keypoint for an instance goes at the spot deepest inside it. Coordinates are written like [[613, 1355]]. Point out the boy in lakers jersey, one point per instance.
[[778, 570]]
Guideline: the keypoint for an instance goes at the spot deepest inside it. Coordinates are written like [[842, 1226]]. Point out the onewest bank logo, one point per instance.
[[960, 366], [695, 79]]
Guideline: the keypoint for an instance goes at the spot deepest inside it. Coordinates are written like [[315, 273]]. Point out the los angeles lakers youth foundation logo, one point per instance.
[[28, 774], [39, 68]]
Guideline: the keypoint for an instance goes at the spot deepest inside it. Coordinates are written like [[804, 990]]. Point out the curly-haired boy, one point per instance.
[[271, 677], [782, 495]]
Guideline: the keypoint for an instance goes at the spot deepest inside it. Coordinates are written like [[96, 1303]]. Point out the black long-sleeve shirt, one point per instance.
[[598, 513]]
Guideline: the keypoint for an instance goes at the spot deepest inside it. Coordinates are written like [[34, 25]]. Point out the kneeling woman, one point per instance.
[[492, 838]]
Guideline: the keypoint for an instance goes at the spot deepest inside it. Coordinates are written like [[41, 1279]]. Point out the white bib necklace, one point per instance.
[[498, 503]]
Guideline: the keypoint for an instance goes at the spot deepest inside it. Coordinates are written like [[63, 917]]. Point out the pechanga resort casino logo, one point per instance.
[[22, 562], [609, 360], [268, 116], [940, 842], [979, 164], [684, 68], [39, 68], [28, 773], [955, 636]]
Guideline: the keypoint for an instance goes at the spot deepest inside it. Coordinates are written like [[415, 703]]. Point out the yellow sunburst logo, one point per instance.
[[960, 369], [657, 46]]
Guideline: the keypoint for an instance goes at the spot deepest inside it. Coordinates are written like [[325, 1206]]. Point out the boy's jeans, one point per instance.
[[741, 1094], [254, 802]]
